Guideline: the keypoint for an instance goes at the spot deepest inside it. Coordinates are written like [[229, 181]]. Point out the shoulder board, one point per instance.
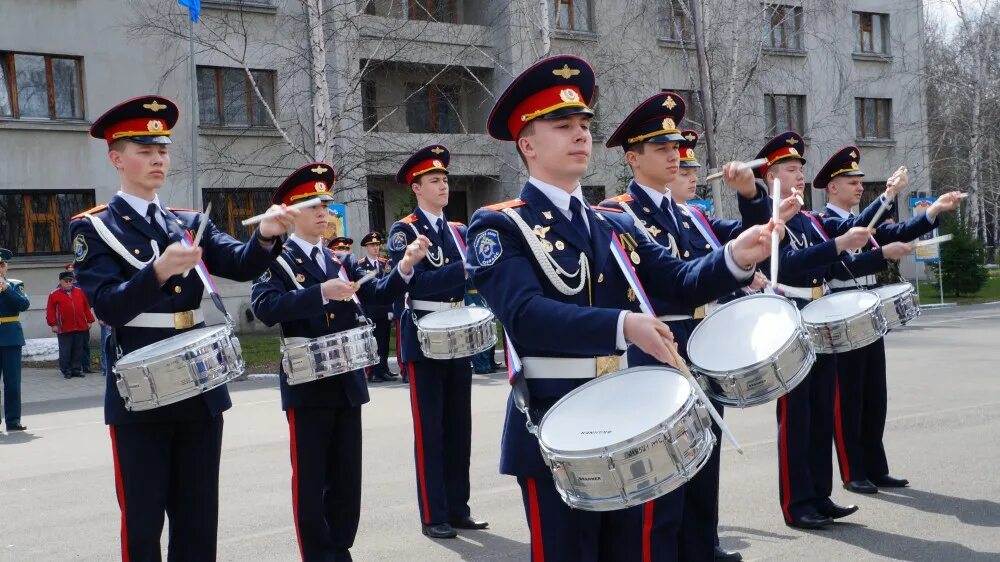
[[383, 260], [821, 215], [174, 209], [456, 223], [623, 198], [607, 209], [96, 209], [505, 205], [409, 219], [15, 282]]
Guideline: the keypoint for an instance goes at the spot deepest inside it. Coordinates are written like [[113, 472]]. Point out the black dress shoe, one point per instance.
[[810, 521], [439, 531], [15, 427], [88, 371], [861, 487], [469, 523], [723, 554], [834, 511], [383, 377], [67, 376], [890, 482], [389, 375]]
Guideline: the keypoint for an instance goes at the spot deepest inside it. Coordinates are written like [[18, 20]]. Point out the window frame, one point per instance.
[[433, 93], [797, 19], [251, 98], [420, 7], [9, 67], [859, 119], [234, 215], [50, 219], [571, 9], [666, 33], [884, 22], [771, 108]]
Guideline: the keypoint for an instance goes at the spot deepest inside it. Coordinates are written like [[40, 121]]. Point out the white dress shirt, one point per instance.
[[141, 206]]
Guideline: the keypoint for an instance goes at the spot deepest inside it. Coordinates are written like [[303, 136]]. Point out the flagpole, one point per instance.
[[194, 117]]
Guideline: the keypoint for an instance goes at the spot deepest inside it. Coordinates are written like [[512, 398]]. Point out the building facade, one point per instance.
[[402, 74]]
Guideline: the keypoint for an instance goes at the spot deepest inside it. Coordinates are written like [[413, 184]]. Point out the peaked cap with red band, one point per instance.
[[551, 88], [142, 120], [785, 146], [434, 158], [688, 159], [340, 241], [654, 120], [309, 181], [844, 162]]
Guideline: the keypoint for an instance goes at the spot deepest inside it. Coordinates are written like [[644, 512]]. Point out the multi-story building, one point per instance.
[[402, 74]]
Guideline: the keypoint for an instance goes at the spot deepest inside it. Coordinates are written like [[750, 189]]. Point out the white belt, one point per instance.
[[866, 281], [434, 306], [804, 293], [571, 367], [176, 320], [699, 313]]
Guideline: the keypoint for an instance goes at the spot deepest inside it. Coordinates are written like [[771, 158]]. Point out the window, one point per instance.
[[871, 33], [872, 189], [674, 23], [593, 194], [785, 24], [873, 118], [785, 113], [693, 116], [376, 210], [432, 108], [37, 222], [457, 208], [34, 86], [433, 10], [369, 109], [226, 97], [231, 206], [571, 15]]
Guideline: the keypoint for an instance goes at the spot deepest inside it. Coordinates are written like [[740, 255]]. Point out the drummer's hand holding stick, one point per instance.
[[338, 290], [739, 177], [895, 251], [415, 251], [896, 182], [176, 259], [853, 239], [790, 206], [753, 245], [279, 220], [947, 202]]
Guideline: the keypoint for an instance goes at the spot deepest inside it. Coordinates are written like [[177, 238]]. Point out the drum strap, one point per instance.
[[621, 257], [704, 227]]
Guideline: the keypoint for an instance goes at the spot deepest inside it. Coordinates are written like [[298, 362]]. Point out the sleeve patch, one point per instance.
[[488, 248], [398, 241], [80, 247]]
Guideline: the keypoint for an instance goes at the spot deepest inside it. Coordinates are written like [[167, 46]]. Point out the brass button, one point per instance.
[[332, 316], [687, 254], [177, 289], [600, 278], [446, 260], [815, 281], [136, 251], [708, 246]]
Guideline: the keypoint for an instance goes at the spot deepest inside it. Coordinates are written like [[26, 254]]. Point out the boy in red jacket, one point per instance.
[[68, 312]]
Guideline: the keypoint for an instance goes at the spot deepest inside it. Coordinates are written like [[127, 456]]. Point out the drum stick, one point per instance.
[[885, 201], [751, 165], [775, 205], [201, 230], [683, 368], [935, 240], [367, 277], [270, 214]]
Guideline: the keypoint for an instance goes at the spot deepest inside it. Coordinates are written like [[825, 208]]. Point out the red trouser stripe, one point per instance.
[[418, 437], [120, 490], [535, 515], [647, 531], [838, 417], [786, 484], [295, 478]]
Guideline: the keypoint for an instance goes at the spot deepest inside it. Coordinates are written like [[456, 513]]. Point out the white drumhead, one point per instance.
[[888, 292], [455, 317], [169, 345], [743, 333], [614, 408], [839, 306]]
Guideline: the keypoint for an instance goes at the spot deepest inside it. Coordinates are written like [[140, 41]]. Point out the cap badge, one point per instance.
[[154, 125], [569, 95], [566, 72], [669, 103], [319, 186], [318, 170], [437, 150], [154, 107], [792, 141], [437, 164], [669, 124]]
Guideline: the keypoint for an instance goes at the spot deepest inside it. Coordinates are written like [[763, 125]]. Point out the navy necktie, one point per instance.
[[151, 212], [665, 207], [576, 217], [315, 258]]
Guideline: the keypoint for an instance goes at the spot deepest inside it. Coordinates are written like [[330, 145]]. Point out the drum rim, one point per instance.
[[618, 444], [909, 291], [771, 396], [326, 337], [877, 306], [489, 318], [800, 333], [783, 300], [218, 329]]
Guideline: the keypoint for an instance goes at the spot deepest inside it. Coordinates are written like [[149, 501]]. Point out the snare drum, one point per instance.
[[899, 303], [844, 321], [752, 350], [457, 332], [305, 360], [178, 367], [625, 438]]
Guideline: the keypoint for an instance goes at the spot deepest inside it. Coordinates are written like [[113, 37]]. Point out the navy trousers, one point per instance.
[[560, 533], [168, 467], [805, 437], [10, 372], [860, 411], [440, 400], [382, 339], [325, 448], [71, 352], [699, 530]]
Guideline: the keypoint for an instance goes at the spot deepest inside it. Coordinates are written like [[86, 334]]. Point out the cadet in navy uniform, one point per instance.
[[655, 162], [440, 389], [340, 245], [575, 310], [13, 302], [130, 261], [380, 314], [861, 398], [312, 293]]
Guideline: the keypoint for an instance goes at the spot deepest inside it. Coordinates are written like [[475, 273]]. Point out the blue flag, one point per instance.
[[193, 6]]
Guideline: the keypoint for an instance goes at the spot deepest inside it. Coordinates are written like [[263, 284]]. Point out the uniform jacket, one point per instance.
[[119, 292], [13, 302], [384, 267], [444, 282], [541, 321], [68, 311], [301, 313]]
